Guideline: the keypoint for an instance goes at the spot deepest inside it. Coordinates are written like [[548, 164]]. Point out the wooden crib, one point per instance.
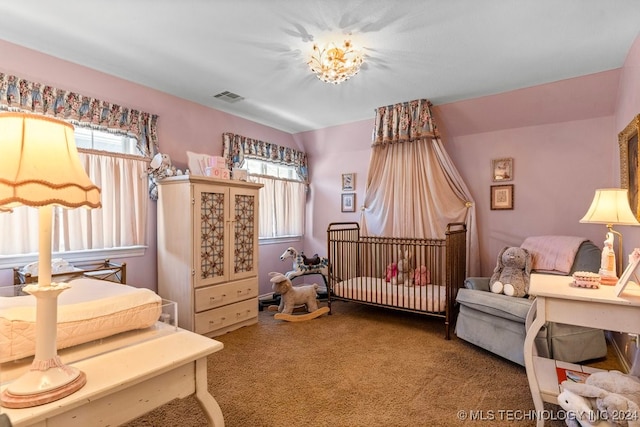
[[361, 269]]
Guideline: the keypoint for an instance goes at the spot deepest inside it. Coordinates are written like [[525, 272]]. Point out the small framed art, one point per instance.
[[501, 197], [348, 182], [349, 202], [502, 169]]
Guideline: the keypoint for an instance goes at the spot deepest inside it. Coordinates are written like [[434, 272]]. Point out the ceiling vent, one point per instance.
[[228, 96]]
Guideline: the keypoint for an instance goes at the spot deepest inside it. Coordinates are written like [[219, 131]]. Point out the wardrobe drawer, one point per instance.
[[226, 316], [219, 295]]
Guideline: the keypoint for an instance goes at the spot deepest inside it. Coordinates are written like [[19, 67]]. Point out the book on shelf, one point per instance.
[[573, 372]]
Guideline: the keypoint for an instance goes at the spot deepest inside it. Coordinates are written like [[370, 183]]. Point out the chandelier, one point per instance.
[[333, 64]]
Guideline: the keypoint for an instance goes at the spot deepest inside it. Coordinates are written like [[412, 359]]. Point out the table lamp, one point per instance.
[[610, 206], [40, 167]]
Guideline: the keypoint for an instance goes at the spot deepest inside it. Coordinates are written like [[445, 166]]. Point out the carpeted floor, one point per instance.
[[361, 366]]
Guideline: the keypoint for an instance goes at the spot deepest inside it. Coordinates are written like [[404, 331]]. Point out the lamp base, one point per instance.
[[19, 401]]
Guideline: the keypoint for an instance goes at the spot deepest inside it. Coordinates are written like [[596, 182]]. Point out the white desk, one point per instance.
[[558, 301], [128, 381]]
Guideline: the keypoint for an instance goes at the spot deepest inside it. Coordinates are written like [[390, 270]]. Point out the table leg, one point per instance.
[[529, 352], [209, 405]]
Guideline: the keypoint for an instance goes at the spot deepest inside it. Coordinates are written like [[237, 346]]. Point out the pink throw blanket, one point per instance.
[[553, 254]]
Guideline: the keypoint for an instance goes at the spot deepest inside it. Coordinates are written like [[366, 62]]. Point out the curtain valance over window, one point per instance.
[[236, 148], [413, 188], [18, 94]]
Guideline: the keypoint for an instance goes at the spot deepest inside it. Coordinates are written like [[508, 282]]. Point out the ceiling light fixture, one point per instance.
[[333, 64]]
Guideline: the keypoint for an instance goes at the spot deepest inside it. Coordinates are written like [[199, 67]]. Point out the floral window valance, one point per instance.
[[18, 94], [236, 148], [408, 121]]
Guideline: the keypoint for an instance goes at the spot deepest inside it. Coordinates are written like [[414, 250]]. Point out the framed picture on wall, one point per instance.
[[349, 202], [501, 197], [629, 162], [502, 169], [348, 182]]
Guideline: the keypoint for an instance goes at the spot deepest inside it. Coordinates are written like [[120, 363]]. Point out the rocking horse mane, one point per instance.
[[314, 260]]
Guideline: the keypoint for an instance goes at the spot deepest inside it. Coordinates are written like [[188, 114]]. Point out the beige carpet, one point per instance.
[[361, 366]]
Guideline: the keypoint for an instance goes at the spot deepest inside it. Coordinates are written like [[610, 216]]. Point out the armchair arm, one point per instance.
[[477, 283]]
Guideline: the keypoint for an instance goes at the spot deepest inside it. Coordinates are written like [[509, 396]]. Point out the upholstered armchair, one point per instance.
[[496, 322]]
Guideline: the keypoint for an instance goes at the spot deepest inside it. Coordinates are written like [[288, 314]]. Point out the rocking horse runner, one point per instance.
[[303, 265]]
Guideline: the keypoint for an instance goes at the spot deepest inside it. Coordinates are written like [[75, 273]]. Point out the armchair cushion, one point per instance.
[[498, 305], [477, 283]]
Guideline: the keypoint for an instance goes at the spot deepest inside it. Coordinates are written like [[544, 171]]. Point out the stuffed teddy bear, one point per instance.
[[404, 276], [290, 295], [512, 273], [607, 398], [421, 276]]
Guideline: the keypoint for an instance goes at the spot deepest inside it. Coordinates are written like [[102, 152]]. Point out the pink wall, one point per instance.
[[332, 152], [627, 107], [560, 158], [562, 136], [183, 126]]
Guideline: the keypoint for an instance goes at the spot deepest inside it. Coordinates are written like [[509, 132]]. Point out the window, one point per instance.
[[118, 228], [99, 140], [282, 199]]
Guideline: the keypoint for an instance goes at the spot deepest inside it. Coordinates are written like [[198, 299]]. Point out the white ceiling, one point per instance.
[[443, 50]]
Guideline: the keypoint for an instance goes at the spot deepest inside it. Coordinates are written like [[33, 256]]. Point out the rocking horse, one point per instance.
[[303, 265]]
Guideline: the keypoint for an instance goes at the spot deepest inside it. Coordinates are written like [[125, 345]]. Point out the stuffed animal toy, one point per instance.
[[579, 411], [512, 273], [160, 167], [291, 296], [612, 398], [392, 271], [421, 276], [405, 274]]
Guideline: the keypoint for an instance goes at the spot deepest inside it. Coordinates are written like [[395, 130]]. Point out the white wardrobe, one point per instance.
[[208, 251]]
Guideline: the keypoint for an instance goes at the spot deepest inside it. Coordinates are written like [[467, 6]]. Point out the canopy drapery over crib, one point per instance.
[[413, 188]]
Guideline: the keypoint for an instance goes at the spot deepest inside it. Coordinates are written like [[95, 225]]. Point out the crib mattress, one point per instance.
[[90, 309], [376, 290]]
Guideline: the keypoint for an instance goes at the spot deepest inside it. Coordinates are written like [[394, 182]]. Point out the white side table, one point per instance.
[[129, 381], [558, 301]]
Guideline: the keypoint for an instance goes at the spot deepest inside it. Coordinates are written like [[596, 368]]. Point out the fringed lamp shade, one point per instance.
[[40, 166]]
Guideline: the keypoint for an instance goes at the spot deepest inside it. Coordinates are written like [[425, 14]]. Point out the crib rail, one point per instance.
[[365, 269]]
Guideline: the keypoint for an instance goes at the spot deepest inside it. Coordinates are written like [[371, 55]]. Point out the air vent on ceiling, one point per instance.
[[228, 96]]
